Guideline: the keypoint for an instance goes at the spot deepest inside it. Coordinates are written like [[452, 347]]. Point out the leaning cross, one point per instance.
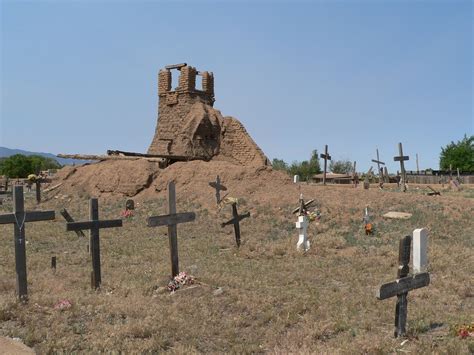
[[19, 217], [355, 178], [326, 157], [402, 285], [401, 158], [217, 185], [378, 167], [172, 219], [302, 226], [94, 225], [236, 218]]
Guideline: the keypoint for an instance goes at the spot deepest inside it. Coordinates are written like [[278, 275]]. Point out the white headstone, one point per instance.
[[420, 250], [302, 226], [296, 179]]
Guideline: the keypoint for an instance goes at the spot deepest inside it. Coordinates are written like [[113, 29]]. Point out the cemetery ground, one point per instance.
[[264, 296]]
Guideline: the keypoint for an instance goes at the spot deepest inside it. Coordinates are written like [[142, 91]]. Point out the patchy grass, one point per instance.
[[274, 299]]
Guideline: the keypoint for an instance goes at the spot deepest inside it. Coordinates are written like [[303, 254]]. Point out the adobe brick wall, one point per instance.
[[188, 125]]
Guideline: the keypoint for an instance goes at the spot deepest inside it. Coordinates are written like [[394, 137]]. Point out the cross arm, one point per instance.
[[214, 185], [378, 162], [170, 219], [405, 157], [7, 218], [33, 216], [403, 285], [76, 226], [324, 156]]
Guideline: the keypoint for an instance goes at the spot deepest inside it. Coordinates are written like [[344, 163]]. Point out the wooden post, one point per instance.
[[173, 230], [18, 218], [326, 157], [94, 225], [38, 191], [236, 218], [172, 219], [401, 158], [417, 167], [20, 250], [378, 168], [53, 263], [354, 173]]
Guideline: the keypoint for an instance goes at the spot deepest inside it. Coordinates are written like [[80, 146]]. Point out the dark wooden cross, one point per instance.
[[355, 178], [402, 285], [172, 219], [401, 158], [326, 157], [38, 182], [378, 166], [217, 185], [433, 192], [94, 226], [236, 218], [19, 217], [69, 219]]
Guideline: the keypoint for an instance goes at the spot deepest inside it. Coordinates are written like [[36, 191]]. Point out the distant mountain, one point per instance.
[[7, 152]]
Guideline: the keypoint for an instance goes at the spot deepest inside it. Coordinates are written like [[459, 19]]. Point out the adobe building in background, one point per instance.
[[189, 126]]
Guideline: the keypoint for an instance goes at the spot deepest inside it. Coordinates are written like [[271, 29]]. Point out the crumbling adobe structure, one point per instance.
[[189, 126]]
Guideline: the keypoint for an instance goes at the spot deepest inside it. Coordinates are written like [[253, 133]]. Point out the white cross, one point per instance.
[[302, 226]]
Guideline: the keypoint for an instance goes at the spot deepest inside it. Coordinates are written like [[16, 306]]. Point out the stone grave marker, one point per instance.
[[302, 224], [172, 219], [18, 218], [402, 285], [401, 158], [326, 157], [129, 205], [94, 226], [420, 250], [236, 218]]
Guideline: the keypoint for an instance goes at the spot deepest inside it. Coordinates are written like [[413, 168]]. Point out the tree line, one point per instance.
[[458, 155], [20, 166]]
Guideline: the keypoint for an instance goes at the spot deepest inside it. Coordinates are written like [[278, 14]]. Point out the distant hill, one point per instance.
[[7, 152]]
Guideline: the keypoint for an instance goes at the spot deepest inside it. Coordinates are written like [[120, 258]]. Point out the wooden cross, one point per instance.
[[236, 218], [355, 178], [19, 217], [378, 166], [69, 219], [402, 285], [433, 192], [326, 157], [401, 158], [217, 185], [94, 226], [38, 182], [172, 219]]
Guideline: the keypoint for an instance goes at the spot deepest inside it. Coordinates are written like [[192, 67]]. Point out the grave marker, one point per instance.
[[401, 158], [402, 285], [217, 185], [94, 226], [172, 219], [19, 217], [355, 177], [380, 170], [385, 175], [326, 157], [68, 218], [420, 250], [236, 218], [302, 225]]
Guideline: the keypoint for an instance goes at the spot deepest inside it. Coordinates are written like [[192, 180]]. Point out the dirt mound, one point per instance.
[[144, 180]]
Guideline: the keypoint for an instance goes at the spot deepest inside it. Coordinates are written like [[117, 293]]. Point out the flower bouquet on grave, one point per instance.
[[465, 331], [180, 280], [313, 215], [62, 305], [128, 214]]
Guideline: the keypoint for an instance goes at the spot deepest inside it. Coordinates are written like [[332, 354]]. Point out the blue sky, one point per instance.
[[80, 77]]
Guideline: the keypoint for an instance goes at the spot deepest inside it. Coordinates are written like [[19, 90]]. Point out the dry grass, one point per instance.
[[274, 299]]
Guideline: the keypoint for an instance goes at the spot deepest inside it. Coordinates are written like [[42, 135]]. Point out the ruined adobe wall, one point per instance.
[[188, 125]]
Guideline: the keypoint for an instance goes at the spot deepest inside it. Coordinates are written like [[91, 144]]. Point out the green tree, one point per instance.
[[340, 166], [279, 164], [20, 166], [307, 168], [459, 155]]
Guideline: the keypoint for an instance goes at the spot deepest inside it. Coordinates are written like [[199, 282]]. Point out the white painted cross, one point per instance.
[[420, 250], [302, 226]]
